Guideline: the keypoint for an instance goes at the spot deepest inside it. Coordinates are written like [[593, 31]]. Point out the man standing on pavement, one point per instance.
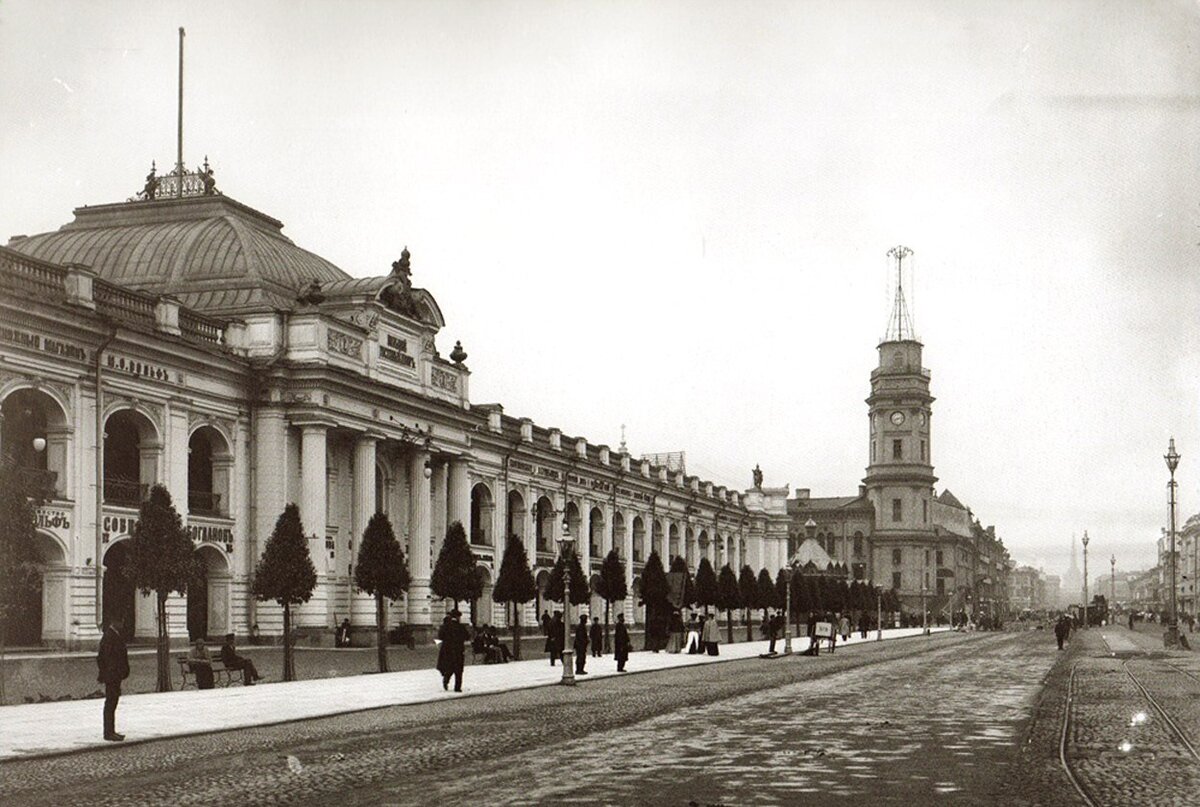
[[597, 637], [113, 661], [621, 643], [581, 645], [1062, 628], [450, 655]]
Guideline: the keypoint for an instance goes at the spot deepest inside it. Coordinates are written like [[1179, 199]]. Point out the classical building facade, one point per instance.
[[180, 338], [898, 532]]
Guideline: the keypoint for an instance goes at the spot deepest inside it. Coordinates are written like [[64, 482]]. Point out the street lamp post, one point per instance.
[[568, 653], [878, 613], [1112, 588], [1172, 458], [1085, 580], [787, 629]]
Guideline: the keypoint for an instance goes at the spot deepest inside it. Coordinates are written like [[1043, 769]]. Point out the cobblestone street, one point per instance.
[[914, 721]]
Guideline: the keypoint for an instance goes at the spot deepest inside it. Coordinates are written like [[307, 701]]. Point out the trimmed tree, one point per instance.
[[161, 560], [580, 592], [729, 596], [515, 584], [19, 568], [656, 596], [381, 572], [679, 566], [766, 593], [706, 585], [454, 576], [781, 590], [285, 574], [749, 591], [611, 586]]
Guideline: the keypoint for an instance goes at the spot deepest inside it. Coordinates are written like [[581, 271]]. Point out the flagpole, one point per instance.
[[179, 123]]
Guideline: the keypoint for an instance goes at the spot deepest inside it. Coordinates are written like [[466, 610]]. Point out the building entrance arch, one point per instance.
[[208, 595]]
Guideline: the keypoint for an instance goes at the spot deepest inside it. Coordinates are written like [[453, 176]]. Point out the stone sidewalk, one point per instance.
[[53, 728]]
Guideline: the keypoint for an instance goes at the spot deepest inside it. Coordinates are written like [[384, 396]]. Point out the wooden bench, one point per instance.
[[222, 676]]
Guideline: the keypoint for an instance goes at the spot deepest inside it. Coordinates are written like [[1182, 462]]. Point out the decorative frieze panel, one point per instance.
[[344, 344], [443, 380]]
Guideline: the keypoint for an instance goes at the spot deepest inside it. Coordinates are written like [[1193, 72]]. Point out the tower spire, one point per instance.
[[899, 327], [179, 120]]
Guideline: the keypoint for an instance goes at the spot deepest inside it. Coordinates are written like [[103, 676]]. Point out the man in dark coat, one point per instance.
[[581, 645], [597, 637], [232, 661], [450, 654], [621, 643], [546, 622], [554, 638], [1062, 629], [113, 661]]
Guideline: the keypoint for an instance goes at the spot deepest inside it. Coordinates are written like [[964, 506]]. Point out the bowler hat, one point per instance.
[[229, 637]]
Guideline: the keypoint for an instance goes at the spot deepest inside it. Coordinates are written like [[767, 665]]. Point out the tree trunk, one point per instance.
[[381, 632], [517, 631], [3, 631], [164, 647], [749, 624], [729, 624], [289, 673]]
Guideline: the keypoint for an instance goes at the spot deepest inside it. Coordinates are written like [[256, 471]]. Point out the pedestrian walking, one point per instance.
[[554, 638], [711, 635], [1062, 629], [693, 635], [862, 625], [771, 628], [546, 622], [113, 661], [597, 638], [621, 643], [844, 627], [450, 655], [676, 640], [581, 645]]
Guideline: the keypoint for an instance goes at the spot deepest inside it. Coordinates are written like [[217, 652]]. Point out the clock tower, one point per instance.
[[899, 481]]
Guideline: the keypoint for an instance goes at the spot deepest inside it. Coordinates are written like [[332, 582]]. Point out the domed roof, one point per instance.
[[212, 252]]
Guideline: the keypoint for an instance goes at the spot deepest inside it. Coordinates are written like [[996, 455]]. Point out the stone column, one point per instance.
[[421, 541], [176, 449], [627, 556], [458, 494], [313, 503], [362, 508]]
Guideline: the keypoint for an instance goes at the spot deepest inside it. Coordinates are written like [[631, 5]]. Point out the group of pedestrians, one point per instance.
[[585, 637]]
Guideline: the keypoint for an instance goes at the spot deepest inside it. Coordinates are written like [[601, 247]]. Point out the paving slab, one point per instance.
[[61, 727]]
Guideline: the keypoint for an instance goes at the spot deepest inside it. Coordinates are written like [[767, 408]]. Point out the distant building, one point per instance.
[[1026, 589]]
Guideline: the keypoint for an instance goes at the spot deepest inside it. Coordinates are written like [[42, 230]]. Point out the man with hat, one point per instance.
[[233, 661], [450, 655], [113, 661]]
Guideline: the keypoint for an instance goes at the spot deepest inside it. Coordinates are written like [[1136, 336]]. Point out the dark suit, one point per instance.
[[450, 655], [233, 661], [113, 661], [581, 647], [621, 646], [597, 639]]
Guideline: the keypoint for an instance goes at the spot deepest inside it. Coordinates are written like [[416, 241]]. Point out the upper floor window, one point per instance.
[[939, 557], [897, 449], [897, 511], [895, 579], [897, 557], [923, 458]]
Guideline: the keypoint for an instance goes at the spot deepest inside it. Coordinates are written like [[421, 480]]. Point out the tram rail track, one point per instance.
[[1177, 733]]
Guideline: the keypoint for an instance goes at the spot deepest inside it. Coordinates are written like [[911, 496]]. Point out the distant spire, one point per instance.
[[899, 327]]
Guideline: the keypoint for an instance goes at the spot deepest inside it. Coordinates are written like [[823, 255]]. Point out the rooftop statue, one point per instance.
[[758, 476], [151, 188]]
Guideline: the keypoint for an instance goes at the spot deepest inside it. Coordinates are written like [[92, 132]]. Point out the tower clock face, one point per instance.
[[897, 418]]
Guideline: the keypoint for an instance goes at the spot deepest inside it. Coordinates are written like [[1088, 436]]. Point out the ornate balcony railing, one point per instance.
[[124, 304], [203, 502], [35, 277], [125, 492], [200, 327]]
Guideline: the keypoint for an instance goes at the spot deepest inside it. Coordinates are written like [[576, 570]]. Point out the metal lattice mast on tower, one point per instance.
[[900, 326]]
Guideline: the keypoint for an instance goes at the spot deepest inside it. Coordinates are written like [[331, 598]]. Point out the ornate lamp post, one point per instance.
[[568, 653], [810, 529], [879, 613], [1085, 579], [1112, 588], [1172, 458]]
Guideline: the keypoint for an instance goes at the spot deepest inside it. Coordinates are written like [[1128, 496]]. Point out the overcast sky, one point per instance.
[[675, 215]]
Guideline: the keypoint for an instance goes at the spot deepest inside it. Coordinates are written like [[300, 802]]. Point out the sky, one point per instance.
[[675, 216]]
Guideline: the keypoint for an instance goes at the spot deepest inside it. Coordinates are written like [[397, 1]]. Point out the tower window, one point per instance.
[[897, 449], [897, 510], [896, 580], [858, 544], [897, 557], [939, 557], [923, 451], [924, 511], [872, 451]]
